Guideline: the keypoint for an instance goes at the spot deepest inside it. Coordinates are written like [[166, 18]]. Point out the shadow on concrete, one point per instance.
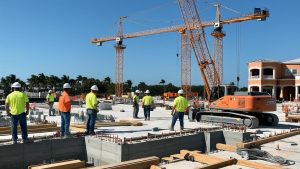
[[281, 126]]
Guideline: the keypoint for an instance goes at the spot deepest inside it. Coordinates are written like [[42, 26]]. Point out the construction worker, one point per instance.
[[50, 101], [91, 106], [147, 102], [180, 106], [15, 105], [136, 104], [64, 110]]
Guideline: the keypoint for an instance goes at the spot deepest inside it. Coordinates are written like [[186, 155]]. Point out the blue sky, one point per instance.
[[53, 37]]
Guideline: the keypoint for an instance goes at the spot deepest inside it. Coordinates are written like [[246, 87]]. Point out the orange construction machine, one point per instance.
[[226, 105]]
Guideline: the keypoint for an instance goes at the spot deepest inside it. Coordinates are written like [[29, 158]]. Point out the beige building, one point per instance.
[[280, 79]]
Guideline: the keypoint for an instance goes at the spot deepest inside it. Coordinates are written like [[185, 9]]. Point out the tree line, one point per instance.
[[81, 84]]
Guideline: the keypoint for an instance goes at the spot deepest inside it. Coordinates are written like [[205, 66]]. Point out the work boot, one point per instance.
[[171, 128], [148, 119], [14, 142]]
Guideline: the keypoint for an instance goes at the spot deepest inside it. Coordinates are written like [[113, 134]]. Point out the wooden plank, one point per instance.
[[74, 164], [268, 140], [142, 163], [32, 126], [35, 130], [256, 165], [133, 122], [226, 147], [220, 164], [157, 167], [202, 158]]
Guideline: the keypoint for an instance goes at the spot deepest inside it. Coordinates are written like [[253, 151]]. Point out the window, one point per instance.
[[287, 72], [294, 71]]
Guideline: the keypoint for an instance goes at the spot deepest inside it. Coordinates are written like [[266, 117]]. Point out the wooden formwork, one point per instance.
[[32, 128]]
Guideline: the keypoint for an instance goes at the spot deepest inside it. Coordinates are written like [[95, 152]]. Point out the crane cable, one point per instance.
[[238, 59]]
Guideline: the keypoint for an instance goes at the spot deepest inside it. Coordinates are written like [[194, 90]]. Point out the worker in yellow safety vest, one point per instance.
[[135, 105], [180, 106], [147, 102], [91, 110], [50, 102], [15, 105]]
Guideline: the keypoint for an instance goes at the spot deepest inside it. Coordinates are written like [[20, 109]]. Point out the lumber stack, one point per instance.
[[32, 128], [142, 163], [72, 164], [110, 124]]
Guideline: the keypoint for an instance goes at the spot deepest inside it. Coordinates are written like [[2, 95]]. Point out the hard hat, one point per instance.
[[137, 91], [180, 91], [16, 85], [94, 87], [66, 86], [50, 91], [147, 91]]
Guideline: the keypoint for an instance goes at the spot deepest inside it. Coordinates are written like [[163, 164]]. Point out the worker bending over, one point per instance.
[[15, 105], [91, 110], [50, 101], [65, 110], [147, 103], [180, 106], [136, 104]]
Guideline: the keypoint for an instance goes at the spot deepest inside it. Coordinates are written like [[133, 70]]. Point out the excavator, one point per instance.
[[225, 103]]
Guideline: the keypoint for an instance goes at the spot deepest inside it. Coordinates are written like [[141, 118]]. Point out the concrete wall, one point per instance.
[[101, 152], [22, 155]]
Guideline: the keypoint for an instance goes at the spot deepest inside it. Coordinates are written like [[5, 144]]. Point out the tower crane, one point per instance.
[[225, 105], [185, 46]]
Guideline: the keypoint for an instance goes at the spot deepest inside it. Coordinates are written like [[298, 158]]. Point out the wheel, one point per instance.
[[251, 122], [269, 119]]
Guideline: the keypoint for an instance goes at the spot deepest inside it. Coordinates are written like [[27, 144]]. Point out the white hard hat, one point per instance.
[[147, 91], [137, 91], [180, 91], [50, 91], [94, 87], [66, 86], [16, 85]]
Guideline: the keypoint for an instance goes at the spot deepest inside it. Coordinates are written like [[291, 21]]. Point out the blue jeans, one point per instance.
[[135, 110], [90, 124], [147, 112], [21, 118], [51, 109], [65, 123], [177, 115]]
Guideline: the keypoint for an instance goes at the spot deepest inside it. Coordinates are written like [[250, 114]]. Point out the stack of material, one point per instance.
[[292, 111], [73, 164], [142, 163], [39, 128]]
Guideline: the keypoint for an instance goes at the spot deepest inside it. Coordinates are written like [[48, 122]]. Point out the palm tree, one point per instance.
[[129, 83], [162, 81], [42, 81], [107, 80], [65, 79]]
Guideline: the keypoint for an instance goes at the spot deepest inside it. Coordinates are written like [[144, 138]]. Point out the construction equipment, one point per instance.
[[185, 45], [225, 104]]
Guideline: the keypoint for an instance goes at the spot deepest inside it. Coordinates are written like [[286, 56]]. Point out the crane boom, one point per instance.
[[182, 28]]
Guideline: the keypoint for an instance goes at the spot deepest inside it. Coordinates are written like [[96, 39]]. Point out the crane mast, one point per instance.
[[199, 45]]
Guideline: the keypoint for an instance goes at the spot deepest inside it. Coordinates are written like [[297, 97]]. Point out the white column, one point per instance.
[[260, 73], [274, 72], [281, 92], [260, 88], [274, 92], [249, 88]]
